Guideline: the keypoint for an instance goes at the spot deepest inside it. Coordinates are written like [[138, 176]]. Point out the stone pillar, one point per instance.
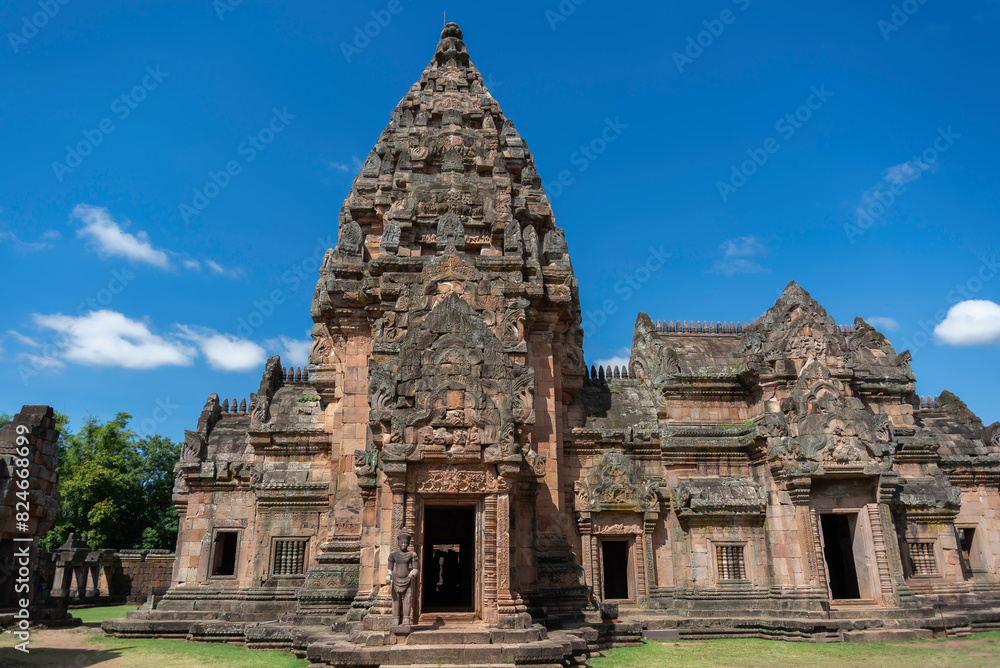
[[79, 587], [369, 582], [379, 616], [511, 611], [490, 612], [648, 527], [61, 580], [398, 487], [900, 593], [797, 569], [92, 568], [585, 527]]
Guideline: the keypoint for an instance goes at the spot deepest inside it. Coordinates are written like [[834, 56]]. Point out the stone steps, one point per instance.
[[478, 647], [880, 635], [542, 653]]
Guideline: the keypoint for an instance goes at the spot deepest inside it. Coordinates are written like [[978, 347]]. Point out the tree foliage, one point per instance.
[[115, 487]]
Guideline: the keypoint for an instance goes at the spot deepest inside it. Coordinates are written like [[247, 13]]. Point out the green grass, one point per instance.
[[173, 653], [982, 650], [84, 647], [98, 615]]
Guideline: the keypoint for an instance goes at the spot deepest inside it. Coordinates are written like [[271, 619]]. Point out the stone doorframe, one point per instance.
[[425, 500], [639, 528], [489, 486], [873, 516]]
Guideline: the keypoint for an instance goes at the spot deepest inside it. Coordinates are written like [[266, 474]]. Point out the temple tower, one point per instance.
[[447, 346]]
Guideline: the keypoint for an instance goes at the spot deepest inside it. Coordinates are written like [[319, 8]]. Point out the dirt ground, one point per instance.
[[61, 648]]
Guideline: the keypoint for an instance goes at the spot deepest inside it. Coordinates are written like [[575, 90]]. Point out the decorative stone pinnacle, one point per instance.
[[451, 30], [451, 48]]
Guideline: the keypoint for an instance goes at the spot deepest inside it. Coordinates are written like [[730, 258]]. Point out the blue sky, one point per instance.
[[850, 146]]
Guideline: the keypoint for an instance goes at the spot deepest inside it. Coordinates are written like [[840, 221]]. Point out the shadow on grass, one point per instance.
[[54, 657]]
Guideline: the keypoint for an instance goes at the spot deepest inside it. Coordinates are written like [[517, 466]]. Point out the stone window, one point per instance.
[[289, 556], [966, 541], [729, 562], [922, 559], [224, 548]]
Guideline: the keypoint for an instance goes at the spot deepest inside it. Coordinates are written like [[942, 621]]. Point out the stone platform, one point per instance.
[[473, 645]]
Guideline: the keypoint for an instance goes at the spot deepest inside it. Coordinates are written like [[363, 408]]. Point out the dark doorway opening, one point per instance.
[[449, 559], [224, 561], [838, 541], [966, 537], [614, 554]]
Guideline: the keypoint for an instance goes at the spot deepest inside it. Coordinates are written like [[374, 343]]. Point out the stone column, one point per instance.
[[379, 616], [62, 577], [900, 593], [490, 613], [585, 527], [368, 580], [92, 568], [797, 572], [511, 611], [648, 527], [79, 587]]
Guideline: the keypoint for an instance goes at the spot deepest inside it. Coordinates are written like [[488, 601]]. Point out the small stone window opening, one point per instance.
[[730, 563], [922, 559], [289, 557], [224, 554], [966, 536]]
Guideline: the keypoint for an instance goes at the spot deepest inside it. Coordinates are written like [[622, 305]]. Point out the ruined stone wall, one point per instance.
[[32, 428], [144, 572]]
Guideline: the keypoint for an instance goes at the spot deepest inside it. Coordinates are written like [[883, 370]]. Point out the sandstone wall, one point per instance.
[[142, 569]]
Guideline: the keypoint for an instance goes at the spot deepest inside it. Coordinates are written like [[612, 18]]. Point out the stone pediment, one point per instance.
[[452, 391], [613, 484], [793, 331], [822, 428], [719, 497]]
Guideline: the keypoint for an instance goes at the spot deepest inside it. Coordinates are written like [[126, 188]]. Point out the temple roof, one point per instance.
[[448, 148]]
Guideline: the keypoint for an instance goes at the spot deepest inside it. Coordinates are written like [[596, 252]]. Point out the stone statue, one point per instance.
[[403, 566]]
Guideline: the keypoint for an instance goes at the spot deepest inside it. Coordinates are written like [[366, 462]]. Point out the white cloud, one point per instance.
[[18, 246], [905, 172], [886, 323], [26, 340], [895, 176], [294, 352], [111, 240], [217, 268], [612, 361], [970, 323], [339, 166], [40, 362], [225, 351], [737, 257], [108, 338]]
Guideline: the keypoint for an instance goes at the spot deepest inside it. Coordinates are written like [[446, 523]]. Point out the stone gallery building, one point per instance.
[[777, 478]]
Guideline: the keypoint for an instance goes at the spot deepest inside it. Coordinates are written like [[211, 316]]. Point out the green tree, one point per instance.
[[115, 487]]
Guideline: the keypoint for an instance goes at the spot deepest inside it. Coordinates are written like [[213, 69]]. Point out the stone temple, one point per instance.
[[775, 479]]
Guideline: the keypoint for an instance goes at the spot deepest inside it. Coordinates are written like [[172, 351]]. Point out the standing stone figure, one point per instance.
[[403, 565]]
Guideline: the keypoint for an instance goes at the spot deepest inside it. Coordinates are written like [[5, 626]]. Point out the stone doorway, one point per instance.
[[838, 550], [615, 569], [449, 559]]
